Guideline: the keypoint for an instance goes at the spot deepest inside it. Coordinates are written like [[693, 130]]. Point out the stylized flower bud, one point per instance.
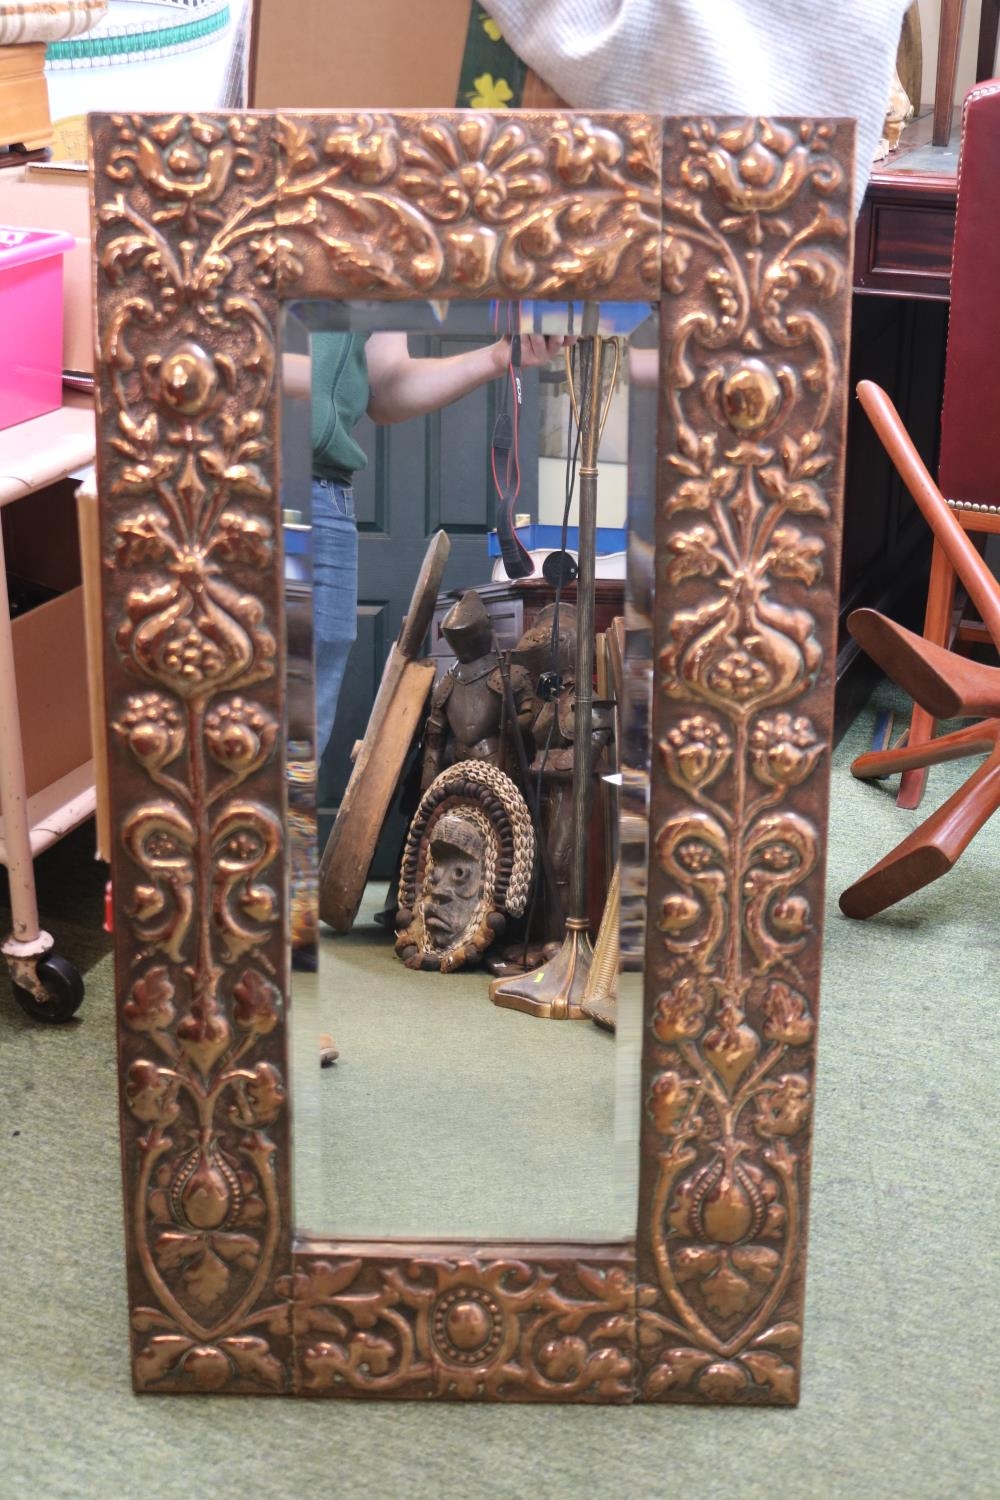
[[786, 1015], [153, 729], [783, 750]]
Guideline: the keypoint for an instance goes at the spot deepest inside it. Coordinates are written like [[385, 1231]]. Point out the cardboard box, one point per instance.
[[385, 53]]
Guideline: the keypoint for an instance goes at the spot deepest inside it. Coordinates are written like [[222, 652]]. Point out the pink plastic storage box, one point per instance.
[[31, 322]]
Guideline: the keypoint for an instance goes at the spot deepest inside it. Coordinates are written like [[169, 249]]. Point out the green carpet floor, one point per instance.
[[901, 1368], [448, 1117]]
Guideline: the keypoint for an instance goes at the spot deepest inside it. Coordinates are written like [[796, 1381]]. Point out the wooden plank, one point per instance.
[[379, 761], [90, 557], [349, 851]]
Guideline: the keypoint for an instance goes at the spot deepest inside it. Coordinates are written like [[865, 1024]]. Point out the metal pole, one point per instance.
[[557, 988], [590, 347]]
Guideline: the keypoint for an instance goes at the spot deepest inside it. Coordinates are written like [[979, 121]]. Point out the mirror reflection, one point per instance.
[[467, 521]]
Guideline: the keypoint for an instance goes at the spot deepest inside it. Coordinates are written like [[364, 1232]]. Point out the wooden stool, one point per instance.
[[967, 469], [26, 29], [24, 98], [942, 684]]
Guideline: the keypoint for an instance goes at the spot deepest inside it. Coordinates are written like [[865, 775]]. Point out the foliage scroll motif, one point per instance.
[[756, 251], [473, 205], [187, 409], [466, 1325]]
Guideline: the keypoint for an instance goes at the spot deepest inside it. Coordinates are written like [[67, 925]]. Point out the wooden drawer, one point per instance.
[[903, 244]]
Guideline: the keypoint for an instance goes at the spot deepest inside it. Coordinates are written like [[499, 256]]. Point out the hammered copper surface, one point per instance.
[[756, 272], [508, 1323], [188, 476], [464, 204], [202, 225]]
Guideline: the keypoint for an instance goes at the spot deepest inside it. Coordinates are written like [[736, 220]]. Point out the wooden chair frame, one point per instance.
[[942, 684], [741, 230]]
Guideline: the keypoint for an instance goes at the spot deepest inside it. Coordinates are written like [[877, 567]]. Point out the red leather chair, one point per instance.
[[969, 467]]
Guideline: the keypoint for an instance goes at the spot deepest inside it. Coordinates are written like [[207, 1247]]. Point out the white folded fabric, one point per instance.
[[719, 57]]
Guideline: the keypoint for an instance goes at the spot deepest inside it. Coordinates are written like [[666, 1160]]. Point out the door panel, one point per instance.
[[422, 475]]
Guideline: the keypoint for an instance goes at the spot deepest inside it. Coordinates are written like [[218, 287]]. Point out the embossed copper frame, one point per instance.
[[740, 229]]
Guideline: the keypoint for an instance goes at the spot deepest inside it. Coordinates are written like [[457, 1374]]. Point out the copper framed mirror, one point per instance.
[[209, 231]]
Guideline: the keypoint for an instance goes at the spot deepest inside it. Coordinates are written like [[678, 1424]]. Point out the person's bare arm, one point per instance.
[[642, 366], [403, 387]]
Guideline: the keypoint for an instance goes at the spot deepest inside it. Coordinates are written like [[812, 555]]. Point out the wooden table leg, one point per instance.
[[949, 38], [876, 764], [989, 29]]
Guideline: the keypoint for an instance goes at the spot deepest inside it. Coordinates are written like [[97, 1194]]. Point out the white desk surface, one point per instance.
[[36, 453]]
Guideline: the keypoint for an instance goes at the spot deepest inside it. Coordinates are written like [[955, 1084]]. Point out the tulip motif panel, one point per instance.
[[756, 275]]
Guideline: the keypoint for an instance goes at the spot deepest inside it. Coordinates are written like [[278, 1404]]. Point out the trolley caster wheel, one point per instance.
[[59, 992]]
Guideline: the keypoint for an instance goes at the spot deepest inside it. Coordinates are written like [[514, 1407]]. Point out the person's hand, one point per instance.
[[536, 349]]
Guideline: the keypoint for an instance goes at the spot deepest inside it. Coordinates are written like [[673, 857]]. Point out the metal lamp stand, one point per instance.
[[555, 990]]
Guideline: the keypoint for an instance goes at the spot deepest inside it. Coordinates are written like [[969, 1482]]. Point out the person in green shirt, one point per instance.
[[352, 374]]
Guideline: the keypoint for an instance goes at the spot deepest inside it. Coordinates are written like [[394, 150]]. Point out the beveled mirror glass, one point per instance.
[[738, 231], [448, 1114]]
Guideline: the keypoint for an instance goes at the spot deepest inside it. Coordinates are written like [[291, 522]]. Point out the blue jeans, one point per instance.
[[335, 596]]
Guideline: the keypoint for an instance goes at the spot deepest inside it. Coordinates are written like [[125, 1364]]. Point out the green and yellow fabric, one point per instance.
[[492, 75]]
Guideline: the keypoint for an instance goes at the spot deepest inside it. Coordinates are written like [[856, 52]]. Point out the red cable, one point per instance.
[[510, 488]]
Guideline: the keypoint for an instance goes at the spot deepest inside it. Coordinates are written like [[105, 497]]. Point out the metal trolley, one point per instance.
[[47, 782]]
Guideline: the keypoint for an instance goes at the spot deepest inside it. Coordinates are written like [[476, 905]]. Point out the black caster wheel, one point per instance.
[[63, 991]]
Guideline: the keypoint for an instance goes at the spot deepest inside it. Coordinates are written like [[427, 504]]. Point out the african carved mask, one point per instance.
[[466, 867]]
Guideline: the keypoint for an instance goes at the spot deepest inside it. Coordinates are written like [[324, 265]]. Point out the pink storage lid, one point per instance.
[[18, 247]]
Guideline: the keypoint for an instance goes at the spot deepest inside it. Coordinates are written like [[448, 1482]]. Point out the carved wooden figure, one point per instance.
[[741, 230], [548, 650]]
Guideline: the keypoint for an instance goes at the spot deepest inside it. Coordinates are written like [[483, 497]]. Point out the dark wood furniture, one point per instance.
[[902, 244], [902, 267], [989, 31], [949, 41]]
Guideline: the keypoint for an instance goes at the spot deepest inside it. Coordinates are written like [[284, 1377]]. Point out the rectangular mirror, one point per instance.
[[476, 1199], [448, 1115]]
